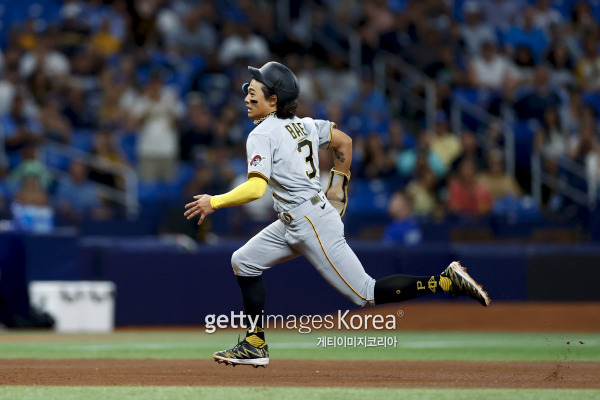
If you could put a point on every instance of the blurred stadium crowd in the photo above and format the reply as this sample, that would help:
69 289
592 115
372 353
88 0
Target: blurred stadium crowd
155 85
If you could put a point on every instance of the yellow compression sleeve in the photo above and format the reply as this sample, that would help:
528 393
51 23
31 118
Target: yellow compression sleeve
248 191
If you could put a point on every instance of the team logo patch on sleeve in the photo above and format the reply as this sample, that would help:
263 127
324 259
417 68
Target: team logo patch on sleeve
257 160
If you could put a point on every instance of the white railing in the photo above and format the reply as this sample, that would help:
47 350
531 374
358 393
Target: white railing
413 78
128 197
460 106
539 178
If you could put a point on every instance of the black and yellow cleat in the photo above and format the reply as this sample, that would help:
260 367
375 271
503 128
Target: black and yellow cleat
244 353
461 284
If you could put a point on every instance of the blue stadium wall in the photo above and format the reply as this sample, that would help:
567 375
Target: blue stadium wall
161 284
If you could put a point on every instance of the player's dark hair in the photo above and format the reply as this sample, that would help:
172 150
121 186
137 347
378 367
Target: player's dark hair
284 111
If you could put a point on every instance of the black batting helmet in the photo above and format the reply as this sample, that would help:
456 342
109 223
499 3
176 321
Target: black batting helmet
277 77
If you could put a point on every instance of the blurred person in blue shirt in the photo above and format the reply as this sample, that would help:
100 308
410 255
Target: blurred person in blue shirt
409 160
404 228
527 35
77 197
19 130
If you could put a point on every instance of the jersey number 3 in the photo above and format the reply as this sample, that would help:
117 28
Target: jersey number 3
309 158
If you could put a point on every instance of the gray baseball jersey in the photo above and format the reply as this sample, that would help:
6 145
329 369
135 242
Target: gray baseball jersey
285 152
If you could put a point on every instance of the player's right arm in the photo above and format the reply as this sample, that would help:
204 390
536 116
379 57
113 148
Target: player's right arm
204 204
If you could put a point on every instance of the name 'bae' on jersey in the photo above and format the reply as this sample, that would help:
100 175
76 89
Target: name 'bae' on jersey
296 130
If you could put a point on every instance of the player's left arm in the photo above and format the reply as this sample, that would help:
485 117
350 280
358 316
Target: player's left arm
254 188
339 176
342 150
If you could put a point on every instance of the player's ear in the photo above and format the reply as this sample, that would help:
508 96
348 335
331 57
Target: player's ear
273 100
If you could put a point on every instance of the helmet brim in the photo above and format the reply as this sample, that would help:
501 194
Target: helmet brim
256 74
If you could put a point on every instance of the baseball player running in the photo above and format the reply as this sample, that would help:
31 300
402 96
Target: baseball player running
282 153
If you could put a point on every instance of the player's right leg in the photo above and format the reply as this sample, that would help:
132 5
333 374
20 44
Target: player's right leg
263 251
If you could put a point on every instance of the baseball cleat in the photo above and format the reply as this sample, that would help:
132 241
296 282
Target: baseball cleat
463 285
244 354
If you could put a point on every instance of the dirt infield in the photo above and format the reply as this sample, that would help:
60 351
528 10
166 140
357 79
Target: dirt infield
542 317
498 317
438 374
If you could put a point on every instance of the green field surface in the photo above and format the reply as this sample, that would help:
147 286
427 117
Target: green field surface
196 344
188 393
178 344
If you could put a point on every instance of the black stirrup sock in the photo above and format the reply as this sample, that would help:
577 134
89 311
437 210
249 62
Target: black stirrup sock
253 295
394 288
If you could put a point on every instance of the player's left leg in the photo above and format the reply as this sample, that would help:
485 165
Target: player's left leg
325 247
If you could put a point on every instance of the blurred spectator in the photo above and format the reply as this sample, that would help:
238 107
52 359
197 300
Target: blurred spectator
26 36
465 194
398 138
535 100
551 140
78 109
583 22
45 57
40 86
118 92
19 129
305 72
368 107
73 31
30 166
425 52
377 20
109 155
490 70
336 80
376 161
494 135
56 126
156 112
443 143
240 44
572 115
469 149
527 35
585 150
561 65
30 208
31 192
197 130
474 32
422 192
9 86
588 67
407 160
208 179
403 229
104 41
524 66
496 180
77 198
448 74
544 15
192 34
501 14
143 21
